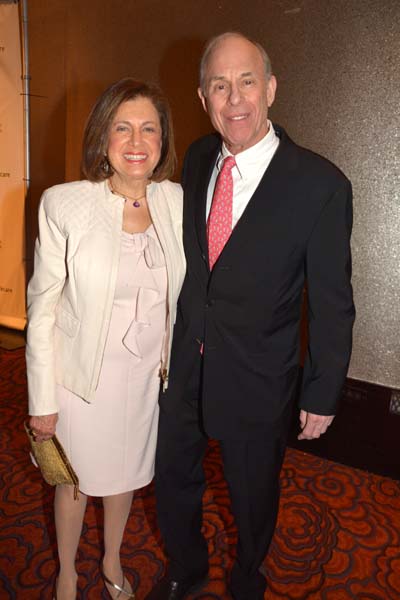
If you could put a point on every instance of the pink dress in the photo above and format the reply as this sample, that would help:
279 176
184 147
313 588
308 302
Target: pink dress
111 441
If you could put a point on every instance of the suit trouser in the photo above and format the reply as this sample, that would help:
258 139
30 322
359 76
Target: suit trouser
251 469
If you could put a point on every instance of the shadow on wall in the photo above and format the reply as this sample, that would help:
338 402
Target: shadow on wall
178 76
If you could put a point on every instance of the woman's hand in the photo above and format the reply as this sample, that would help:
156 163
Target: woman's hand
43 428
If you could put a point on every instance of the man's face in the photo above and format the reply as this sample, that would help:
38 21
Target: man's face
237 94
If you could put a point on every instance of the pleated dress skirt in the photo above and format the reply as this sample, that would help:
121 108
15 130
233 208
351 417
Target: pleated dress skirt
111 441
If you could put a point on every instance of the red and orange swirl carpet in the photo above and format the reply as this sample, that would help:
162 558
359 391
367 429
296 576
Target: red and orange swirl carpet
338 534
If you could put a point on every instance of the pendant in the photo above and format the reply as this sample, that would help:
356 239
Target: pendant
136 204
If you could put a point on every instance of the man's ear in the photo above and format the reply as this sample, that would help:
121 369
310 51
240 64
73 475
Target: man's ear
202 98
271 90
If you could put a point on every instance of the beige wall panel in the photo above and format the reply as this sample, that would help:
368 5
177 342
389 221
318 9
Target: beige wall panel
337 64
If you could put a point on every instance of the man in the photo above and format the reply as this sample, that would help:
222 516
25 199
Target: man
262 218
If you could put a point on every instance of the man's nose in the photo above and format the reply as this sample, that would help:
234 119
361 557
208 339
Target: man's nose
235 95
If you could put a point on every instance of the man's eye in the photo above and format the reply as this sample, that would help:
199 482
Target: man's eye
248 82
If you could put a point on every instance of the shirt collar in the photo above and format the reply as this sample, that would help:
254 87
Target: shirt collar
248 158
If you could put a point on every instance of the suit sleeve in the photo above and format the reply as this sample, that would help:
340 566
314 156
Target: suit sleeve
43 293
331 310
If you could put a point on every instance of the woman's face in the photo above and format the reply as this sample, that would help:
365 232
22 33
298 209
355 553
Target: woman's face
134 143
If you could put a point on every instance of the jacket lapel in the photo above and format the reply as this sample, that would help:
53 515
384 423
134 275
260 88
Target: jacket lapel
266 195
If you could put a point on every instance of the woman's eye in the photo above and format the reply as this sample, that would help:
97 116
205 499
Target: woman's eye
149 129
121 128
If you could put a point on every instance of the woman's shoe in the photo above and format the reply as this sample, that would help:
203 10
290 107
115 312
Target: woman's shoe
119 589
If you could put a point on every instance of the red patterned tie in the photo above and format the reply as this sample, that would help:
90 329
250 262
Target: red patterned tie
219 224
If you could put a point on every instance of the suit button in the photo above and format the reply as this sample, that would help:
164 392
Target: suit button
210 303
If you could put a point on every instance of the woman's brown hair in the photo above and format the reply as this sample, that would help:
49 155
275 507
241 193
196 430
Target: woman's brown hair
95 165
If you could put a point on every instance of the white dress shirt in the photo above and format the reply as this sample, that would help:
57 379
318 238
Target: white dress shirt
251 165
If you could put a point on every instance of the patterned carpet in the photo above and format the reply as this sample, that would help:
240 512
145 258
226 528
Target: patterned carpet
338 534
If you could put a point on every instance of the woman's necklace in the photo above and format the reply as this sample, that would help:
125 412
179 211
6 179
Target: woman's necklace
135 201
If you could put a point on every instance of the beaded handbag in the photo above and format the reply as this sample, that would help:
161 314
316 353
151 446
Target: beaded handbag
53 462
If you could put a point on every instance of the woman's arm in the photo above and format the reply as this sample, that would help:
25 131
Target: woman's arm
44 290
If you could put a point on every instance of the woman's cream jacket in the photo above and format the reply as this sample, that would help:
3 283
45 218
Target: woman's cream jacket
71 293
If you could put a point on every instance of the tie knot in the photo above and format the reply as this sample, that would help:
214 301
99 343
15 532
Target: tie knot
228 164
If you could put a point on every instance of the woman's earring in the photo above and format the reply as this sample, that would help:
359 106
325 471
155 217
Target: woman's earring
106 167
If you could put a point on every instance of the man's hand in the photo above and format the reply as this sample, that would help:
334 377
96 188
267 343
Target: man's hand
43 428
313 426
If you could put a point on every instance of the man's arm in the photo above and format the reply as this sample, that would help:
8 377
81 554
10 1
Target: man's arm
330 313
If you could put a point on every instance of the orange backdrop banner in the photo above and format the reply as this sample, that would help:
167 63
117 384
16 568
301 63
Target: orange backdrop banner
12 170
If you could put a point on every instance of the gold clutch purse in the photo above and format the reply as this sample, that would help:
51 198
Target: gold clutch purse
53 462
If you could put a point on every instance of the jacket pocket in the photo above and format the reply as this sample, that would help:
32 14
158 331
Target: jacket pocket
67 322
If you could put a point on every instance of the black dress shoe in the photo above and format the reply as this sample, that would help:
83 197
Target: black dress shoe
168 589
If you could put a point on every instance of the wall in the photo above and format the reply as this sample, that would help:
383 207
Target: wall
337 64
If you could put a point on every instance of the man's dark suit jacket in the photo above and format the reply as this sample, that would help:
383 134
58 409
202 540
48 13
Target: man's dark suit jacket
295 231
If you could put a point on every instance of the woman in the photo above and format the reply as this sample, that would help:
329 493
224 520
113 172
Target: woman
109 266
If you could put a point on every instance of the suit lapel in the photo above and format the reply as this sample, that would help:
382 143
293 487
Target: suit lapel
266 195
